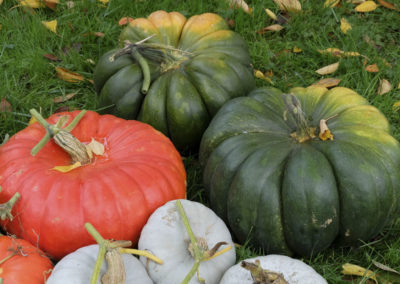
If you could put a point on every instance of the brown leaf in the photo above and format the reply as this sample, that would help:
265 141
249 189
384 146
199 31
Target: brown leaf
373 68
328 69
62 109
388 5
61 99
366 6
289 5
124 21
384 267
68 76
51 57
384 87
52 4
328 82
5 106
98 34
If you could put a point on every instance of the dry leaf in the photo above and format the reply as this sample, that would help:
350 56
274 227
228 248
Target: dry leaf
373 68
1 2
328 69
398 87
352 269
65 98
32 3
331 3
51 57
66 75
104 1
355 1
124 21
65 169
5 105
241 4
261 75
98 34
396 106
344 25
52 4
324 132
338 53
289 5
51 25
388 5
384 87
271 14
70 4
95 147
297 49
366 6
328 82
384 267
274 28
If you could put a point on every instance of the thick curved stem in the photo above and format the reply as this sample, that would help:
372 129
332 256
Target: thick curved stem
102 252
145 69
5 209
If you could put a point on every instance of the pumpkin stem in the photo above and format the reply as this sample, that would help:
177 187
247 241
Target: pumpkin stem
145 69
293 108
263 276
5 208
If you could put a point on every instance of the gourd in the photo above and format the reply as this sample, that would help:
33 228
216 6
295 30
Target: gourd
138 170
268 268
174 73
187 236
302 170
21 262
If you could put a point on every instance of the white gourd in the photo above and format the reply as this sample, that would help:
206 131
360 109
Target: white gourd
165 236
77 268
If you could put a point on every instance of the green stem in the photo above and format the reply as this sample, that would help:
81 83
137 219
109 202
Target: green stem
145 69
7 257
5 209
192 271
75 121
102 252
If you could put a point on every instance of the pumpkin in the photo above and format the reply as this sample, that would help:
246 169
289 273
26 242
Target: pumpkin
116 191
303 170
21 262
77 267
272 267
166 236
174 73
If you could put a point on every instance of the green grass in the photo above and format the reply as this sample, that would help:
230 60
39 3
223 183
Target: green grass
28 80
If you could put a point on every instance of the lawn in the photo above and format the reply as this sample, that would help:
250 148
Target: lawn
30 53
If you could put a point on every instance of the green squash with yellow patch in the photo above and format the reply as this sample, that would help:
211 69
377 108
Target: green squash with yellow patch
174 73
297 172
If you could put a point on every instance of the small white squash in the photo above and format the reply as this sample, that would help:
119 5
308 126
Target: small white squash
293 271
77 268
166 236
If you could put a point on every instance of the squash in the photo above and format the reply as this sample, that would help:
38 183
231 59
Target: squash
167 235
138 171
21 262
302 170
274 268
174 73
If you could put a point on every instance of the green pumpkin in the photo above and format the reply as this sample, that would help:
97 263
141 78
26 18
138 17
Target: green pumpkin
174 73
295 173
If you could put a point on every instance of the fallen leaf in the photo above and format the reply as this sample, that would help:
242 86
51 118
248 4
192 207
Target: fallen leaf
65 169
352 269
70 4
373 68
398 87
331 3
384 267
32 3
51 57
388 5
124 21
104 1
61 99
289 5
344 25
271 14
62 109
274 28
5 106
32 120
98 34
328 82
396 106
384 87
297 49
69 76
91 61
52 4
355 1
1 2
338 53
51 25
261 75
95 147
366 6
241 4
331 68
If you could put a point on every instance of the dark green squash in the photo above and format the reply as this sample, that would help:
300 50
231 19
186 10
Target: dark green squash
174 73
297 172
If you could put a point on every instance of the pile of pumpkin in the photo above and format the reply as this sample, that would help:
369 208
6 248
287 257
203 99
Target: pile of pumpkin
291 173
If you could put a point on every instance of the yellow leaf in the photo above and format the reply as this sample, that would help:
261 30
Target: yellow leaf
241 4
261 75
328 69
331 3
1 2
51 25
289 5
338 53
271 14
372 68
32 3
384 87
366 6
274 28
297 49
69 76
104 1
328 82
65 169
32 120
324 132
396 106
398 87
352 269
344 25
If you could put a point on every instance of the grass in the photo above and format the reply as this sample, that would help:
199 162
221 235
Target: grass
28 80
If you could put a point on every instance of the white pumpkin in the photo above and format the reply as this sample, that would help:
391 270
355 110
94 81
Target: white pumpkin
77 268
165 236
293 271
